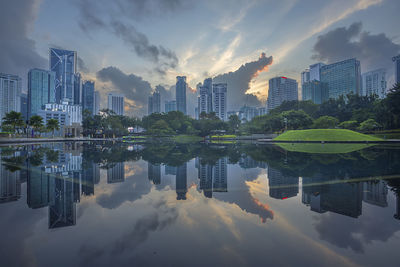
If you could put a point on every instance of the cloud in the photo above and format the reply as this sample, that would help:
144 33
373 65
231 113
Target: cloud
17 52
239 82
373 50
82 66
112 16
133 87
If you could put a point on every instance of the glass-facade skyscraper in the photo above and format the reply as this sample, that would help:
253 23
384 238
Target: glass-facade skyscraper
281 89
63 63
41 90
10 94
154 105
374 83
116 103
181 94
342 77
88 96
315 91
170 106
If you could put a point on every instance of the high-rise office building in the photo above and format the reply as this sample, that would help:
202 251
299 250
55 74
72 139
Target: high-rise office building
181 87
10 94
315 71
375 193
219 100
88 100
203 104
207 84
41 90
305 76
96 105
205 174
374 83
315 91
396 61
24 106
78 94
154 104
342 77
170 106
281 89
116 103
64 64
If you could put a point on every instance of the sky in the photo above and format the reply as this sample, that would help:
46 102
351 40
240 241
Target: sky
136 46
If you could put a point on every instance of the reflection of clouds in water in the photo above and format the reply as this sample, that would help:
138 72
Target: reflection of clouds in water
346 232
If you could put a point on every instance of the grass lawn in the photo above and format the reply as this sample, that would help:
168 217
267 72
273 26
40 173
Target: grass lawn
226 136
183 139
325 135
322 148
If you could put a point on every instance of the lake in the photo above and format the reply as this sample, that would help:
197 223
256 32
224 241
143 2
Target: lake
166 204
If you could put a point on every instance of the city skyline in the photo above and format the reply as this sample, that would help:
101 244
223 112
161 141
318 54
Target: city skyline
134 55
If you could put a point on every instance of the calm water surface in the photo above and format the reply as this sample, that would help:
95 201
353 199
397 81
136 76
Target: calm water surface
109 204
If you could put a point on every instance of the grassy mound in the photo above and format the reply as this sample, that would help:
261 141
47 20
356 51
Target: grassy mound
325 135
322 148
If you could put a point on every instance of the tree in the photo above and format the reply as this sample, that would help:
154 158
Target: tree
36 122
325 122
13 119
350 125
297 119
53 125
160 128
369 125
234 123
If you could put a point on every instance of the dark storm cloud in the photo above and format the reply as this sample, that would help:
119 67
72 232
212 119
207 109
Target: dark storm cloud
17 51
373 50
239 82
82 66
113 16
141 45
133 87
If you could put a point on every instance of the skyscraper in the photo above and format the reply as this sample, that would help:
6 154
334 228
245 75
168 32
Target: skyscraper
315 71
170 106
24 106
77 89
41 90
97 100
116 103
342 77
181 94
315 91
207 84
154 105
154 173
88 100
181 182
63 63
374 83
396 61
220 183
281 89
116 174
219 99
10 94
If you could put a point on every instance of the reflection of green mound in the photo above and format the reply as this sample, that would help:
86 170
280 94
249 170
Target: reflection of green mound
336 135
327 148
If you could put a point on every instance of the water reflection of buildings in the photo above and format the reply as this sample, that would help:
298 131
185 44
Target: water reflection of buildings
213 178
181 182
342 198
116 173
282 186
247 162
154 173
10 184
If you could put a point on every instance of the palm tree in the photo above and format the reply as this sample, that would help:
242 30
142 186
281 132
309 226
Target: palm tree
36 122
53 125
14 119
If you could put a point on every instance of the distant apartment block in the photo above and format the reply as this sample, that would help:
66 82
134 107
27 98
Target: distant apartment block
374 83
10 94
220 100
116 103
